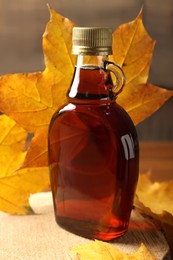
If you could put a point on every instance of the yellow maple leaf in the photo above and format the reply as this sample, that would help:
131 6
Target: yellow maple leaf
155 198
31 99
102 250
12 145
133 49
16 186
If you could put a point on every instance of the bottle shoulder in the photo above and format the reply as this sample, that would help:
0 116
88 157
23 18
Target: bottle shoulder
111 112
87 119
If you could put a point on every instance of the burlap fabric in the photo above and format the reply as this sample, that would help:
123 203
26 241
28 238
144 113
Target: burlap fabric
39 237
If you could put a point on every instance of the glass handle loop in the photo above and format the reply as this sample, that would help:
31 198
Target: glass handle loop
118 73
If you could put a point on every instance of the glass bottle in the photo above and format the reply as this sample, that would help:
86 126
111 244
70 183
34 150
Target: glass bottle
92 145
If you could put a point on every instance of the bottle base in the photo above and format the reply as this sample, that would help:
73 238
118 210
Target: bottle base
90 229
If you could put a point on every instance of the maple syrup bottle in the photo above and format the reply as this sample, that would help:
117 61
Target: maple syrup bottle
93 145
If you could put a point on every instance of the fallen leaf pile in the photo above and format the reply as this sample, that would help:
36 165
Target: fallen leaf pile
28 102
101 250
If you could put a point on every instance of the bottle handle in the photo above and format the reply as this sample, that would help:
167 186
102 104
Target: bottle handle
118 73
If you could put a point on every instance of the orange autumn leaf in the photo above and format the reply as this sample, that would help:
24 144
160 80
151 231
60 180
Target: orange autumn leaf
31 99
133 49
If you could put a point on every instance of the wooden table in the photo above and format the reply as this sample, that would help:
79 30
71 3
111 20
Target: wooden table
157 157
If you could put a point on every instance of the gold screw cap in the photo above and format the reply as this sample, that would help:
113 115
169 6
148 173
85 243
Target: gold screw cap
92 41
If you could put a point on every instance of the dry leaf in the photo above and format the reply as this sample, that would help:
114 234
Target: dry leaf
102 250
12 146
16 189
31 99
16 186
132 49
155 199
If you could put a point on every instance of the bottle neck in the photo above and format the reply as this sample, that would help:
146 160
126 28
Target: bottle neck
91 82
86 60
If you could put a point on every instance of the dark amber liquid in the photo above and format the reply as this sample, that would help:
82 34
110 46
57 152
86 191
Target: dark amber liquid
92 175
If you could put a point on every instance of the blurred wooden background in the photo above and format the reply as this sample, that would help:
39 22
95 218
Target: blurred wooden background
22 23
